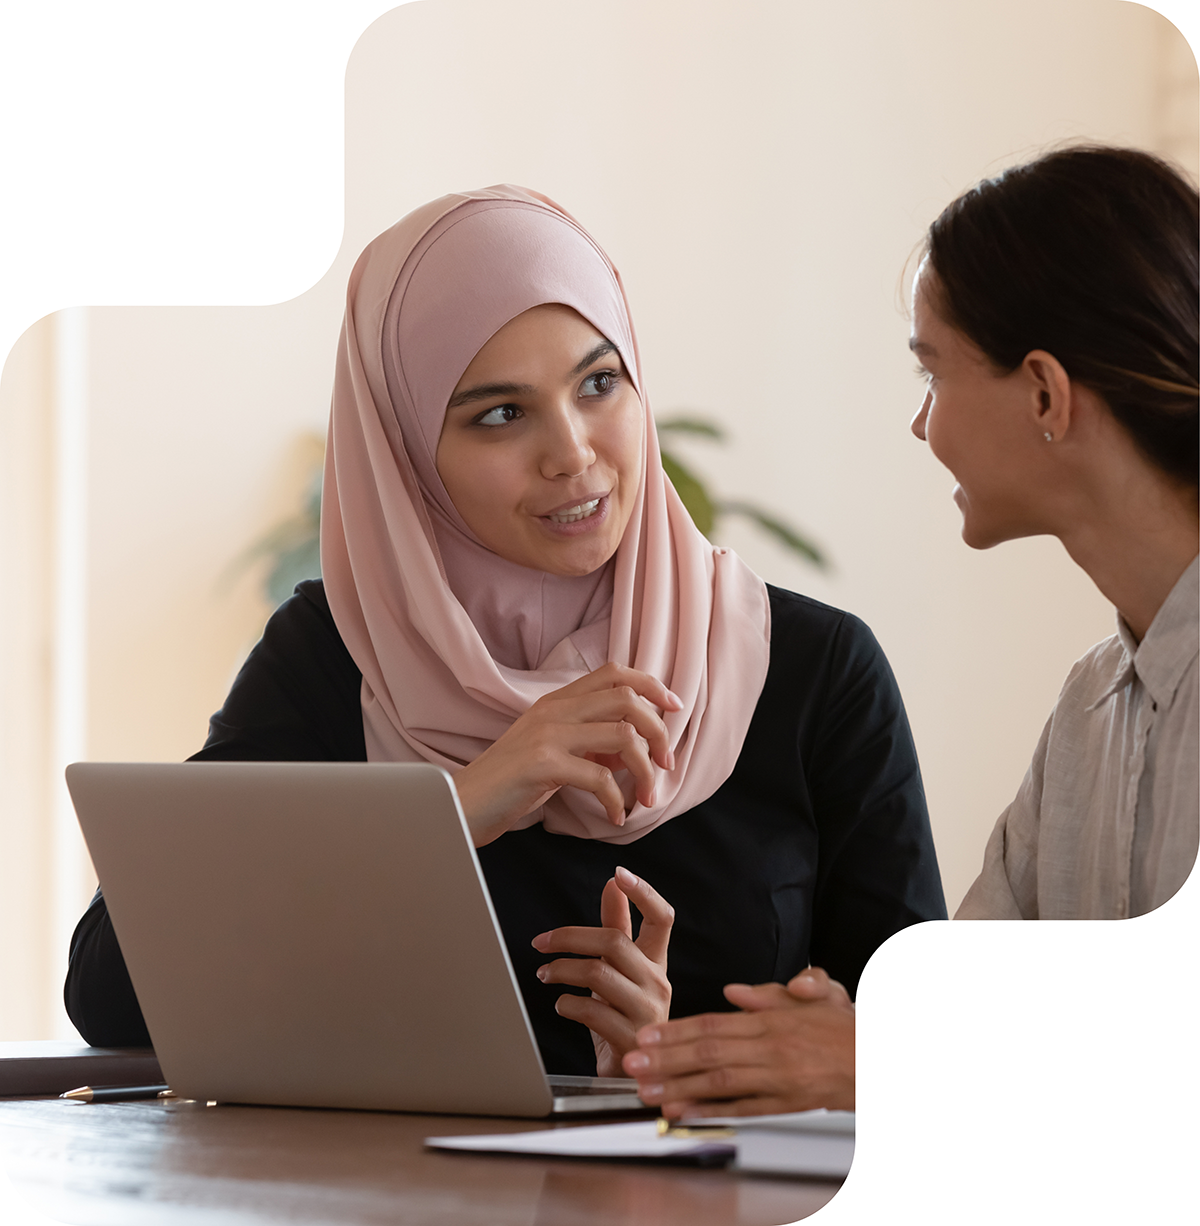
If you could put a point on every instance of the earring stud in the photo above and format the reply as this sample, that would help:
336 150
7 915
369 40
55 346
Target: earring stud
1048 437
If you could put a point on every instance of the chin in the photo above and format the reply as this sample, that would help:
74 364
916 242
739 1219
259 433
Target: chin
986 536
979 536
975 533
576 569
976 542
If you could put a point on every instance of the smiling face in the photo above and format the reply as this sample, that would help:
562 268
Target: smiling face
981 424
541 448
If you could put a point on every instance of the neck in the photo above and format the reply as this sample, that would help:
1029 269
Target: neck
1135 547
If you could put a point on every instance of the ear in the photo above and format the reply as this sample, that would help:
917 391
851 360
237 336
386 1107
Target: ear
1052 406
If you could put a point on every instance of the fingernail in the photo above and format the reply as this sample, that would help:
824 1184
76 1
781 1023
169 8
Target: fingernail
542 972
670 759
625 877
675 698
650 1094
636 1060
541 940
647 1037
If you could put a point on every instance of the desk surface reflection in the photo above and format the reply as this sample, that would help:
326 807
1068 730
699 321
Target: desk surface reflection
168 1163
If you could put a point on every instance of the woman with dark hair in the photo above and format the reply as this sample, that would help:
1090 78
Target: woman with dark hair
1055 316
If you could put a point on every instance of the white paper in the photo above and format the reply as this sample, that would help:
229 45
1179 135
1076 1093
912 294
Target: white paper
636 1140
818 1144
820 1120
771 1151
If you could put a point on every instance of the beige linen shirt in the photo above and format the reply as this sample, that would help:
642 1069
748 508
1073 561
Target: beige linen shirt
1106 822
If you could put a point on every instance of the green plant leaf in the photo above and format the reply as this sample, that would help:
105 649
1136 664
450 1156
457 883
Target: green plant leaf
303 561
691 492
312 500
778 528
691 425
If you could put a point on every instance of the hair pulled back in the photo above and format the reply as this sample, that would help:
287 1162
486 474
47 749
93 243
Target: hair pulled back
1090 253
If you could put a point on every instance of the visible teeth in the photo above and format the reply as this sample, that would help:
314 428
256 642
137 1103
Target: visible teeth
582 511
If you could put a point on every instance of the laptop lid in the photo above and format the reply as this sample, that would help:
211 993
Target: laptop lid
311 934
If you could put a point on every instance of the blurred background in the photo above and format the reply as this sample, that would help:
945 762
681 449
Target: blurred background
761 173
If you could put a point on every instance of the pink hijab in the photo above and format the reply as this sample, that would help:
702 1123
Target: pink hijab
454 642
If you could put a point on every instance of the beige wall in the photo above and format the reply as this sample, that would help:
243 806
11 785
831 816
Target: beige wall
28 966
759 172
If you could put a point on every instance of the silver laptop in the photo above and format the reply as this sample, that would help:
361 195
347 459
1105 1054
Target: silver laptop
317 935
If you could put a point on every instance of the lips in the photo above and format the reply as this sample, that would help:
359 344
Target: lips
580 517
580 507
571 515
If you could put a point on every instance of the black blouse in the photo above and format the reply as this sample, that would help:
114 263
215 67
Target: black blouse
815 850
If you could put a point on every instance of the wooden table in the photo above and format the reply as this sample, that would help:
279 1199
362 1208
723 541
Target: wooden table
160 1164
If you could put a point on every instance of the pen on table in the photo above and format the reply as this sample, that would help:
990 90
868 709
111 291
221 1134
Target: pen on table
694 1132
112 1094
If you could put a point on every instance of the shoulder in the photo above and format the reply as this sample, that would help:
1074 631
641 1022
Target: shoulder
827 676
1095 673
792 610
302 635
807 634
298 695
303 626
1106 656
306 606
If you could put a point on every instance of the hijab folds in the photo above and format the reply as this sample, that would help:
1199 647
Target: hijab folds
453 641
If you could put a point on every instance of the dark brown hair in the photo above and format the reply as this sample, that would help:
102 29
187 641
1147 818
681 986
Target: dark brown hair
1092 254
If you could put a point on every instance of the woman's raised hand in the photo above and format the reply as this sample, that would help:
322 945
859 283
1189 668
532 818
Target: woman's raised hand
575 737
627 978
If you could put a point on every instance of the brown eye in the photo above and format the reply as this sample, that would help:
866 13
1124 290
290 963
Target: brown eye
501 415
599 384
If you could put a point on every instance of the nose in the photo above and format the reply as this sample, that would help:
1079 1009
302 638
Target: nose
917 425
569 451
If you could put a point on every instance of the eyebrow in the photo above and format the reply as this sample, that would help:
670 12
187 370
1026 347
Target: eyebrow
594 356
485 391
921 347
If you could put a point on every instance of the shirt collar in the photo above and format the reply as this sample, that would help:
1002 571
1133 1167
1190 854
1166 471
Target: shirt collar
1170 645
1173 639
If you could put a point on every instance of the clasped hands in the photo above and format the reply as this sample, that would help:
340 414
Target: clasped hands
788 1049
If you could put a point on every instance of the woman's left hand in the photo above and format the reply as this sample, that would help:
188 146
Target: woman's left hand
627 978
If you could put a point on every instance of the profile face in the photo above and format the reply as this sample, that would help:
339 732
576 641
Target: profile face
541 447
976 420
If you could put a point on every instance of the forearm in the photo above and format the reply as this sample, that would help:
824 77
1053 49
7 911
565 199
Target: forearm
98 994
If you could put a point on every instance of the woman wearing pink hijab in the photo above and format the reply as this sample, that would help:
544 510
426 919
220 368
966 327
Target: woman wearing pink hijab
513 591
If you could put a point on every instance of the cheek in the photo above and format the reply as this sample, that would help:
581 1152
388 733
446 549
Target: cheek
627 441
477 481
